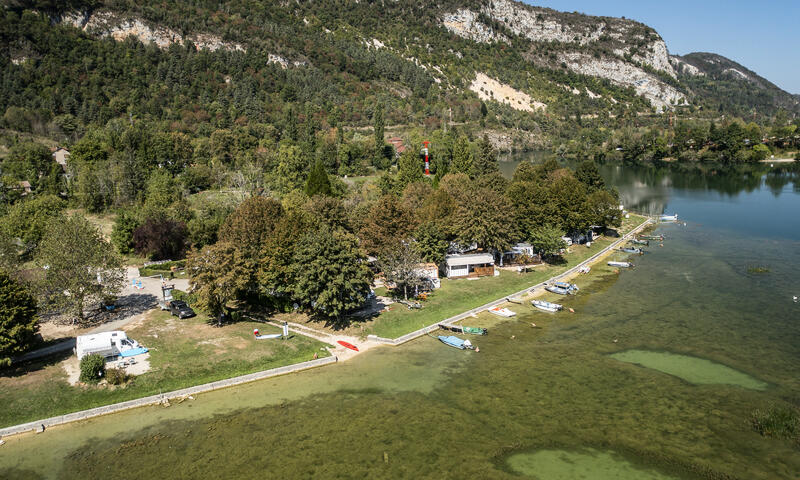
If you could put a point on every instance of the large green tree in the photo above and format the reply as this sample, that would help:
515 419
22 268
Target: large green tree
219 276
318 182
484 218
28 220
485 161
329 274
17 318
401 266
547 240
78 265
251 224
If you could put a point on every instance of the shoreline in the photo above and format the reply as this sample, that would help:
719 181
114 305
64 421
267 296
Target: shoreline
341 354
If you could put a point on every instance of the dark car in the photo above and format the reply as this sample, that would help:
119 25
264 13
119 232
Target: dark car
179 308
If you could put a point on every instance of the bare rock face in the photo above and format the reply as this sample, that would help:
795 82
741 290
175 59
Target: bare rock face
621 73
682 66
104 23
488 88
465 24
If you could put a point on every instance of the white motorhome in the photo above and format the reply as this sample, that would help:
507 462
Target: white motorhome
107 344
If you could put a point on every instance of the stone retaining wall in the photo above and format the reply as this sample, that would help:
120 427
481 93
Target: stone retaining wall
156 399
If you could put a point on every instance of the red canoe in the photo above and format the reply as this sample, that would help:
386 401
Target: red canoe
347 345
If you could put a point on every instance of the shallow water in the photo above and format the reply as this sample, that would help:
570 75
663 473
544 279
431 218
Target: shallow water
692 369
586 464
424 410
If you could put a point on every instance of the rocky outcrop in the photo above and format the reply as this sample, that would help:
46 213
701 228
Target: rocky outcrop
465 24
624 74
103 23
488 88
687 68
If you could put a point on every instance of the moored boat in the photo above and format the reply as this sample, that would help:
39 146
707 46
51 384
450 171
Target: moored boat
501 311
476 330
556 289
637 251
569 286
640 242
652 237
620 264
455 342
669 218
546 306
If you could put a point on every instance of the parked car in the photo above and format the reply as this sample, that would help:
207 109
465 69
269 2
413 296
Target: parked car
180 309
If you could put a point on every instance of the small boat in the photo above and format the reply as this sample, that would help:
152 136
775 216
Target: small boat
503 312
546 306
584 269
475 330
637 251
347 345
620 264
558 290
669 218
455 342
652 237
451 328
569 286
640 242
267 336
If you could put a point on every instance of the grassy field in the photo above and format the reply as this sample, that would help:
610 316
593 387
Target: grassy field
458 296
183 353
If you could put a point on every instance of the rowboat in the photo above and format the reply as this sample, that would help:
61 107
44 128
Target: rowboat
637 251
558 290
455 342
640 242
620 264
669 218
347 345
476 330
503 312
460 329
569 286
546 306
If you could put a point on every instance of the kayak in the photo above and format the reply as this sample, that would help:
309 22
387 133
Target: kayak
347 345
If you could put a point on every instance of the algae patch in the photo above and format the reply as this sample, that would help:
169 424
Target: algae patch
586 463
698 371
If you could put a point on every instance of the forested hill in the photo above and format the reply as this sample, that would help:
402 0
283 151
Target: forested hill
730 86
201 64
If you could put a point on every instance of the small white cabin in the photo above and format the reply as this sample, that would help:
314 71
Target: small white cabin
473 265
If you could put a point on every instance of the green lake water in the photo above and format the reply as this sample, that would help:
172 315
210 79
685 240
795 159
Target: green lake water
545 403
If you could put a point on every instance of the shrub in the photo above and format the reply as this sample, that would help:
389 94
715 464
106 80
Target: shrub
92 368
117 376
780 421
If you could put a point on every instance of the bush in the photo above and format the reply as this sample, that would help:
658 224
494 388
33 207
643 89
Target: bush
92 368
117 376
780 421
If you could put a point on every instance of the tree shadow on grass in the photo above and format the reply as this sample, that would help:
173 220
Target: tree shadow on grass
23 368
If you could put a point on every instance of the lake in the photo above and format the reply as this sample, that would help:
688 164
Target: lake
656 375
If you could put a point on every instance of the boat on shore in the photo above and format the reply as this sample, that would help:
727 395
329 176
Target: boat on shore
456 342
569 286
546 306
502 312
637 251
669 218
556 289
620 264
347 345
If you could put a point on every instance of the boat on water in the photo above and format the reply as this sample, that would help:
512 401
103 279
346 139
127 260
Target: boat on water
669 218
456 342
652 237
637 251
620 264
558 290
546 306
640 242
502 312
460 329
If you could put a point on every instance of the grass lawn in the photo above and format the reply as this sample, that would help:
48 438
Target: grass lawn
183 353
457 296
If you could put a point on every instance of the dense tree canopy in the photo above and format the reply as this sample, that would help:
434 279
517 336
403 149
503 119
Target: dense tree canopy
18 323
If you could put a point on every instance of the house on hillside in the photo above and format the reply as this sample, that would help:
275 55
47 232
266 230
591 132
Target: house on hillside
397 143
60 155
470 265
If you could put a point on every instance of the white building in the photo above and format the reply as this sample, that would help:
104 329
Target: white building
473 265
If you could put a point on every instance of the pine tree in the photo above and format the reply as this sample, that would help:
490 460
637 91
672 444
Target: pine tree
379 123
17 318
486 161
318 182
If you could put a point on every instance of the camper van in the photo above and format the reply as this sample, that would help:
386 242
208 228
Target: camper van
107 344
